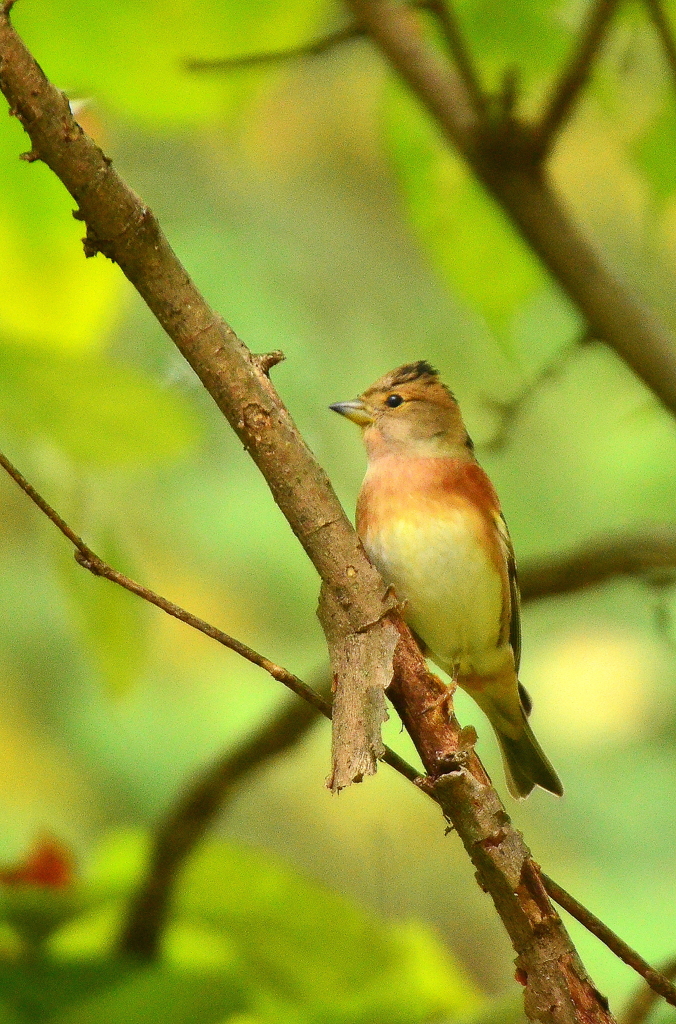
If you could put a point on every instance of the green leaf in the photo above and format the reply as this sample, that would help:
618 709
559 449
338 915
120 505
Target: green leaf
35 989
7 1015
301 953
98 412
36 911
307 945
50 295
471 242
159 994
131 56
654 154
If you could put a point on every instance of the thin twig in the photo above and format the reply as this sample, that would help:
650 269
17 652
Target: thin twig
511 411
60 524
445 13
657 982
658 16
91 561
250 60
315 48
567 88
641 1003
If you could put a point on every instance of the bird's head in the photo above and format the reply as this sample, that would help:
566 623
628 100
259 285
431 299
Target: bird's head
409 412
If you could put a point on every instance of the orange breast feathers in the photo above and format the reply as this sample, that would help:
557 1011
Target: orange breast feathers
417 488
408 510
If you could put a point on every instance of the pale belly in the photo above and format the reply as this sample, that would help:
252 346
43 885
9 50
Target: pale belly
451 591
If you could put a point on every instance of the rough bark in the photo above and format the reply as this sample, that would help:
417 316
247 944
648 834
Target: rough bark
121 227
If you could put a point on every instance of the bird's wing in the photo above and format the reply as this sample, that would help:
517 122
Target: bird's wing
470 480
514 610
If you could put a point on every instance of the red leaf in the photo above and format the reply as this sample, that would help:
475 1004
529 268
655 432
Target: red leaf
50 864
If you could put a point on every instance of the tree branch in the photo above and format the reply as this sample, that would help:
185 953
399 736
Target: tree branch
556 985
313 49
510 411
193 813
91 561
505 160
658 16
574 77
448 19
85 557
639 1007
323 45
657 982
650 555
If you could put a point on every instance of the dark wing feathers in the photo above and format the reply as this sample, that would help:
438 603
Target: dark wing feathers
514 596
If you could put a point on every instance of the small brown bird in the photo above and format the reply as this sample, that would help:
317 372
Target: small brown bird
430 521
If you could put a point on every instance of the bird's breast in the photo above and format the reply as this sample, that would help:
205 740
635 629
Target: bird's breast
437 548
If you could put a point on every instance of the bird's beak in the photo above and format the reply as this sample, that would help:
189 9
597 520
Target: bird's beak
355 411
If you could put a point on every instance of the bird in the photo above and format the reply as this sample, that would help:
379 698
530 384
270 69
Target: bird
430 521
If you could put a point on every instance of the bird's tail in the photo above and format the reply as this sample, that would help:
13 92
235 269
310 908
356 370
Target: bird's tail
507 705
526 764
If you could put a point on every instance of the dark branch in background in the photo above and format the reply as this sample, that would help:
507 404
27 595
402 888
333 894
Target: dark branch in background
191 815
566 91
195 810
332 40
508 159
659 19
650 555
312 49
450 26
510 411
505 158
639 1007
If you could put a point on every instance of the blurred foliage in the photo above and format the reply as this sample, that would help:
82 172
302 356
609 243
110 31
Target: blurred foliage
248 940
320 212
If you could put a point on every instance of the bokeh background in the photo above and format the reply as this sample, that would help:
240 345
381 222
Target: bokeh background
318 211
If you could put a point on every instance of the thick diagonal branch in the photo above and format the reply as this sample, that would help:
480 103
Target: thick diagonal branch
121 227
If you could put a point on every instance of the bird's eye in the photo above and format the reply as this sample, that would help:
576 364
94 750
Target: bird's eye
392 401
